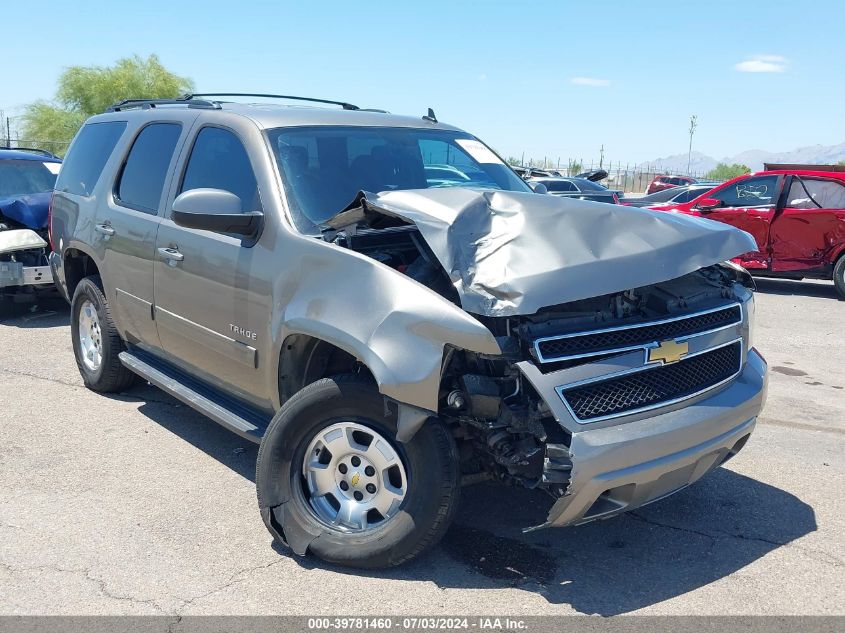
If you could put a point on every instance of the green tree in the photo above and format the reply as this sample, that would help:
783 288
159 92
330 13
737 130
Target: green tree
723 171
841 163
87 90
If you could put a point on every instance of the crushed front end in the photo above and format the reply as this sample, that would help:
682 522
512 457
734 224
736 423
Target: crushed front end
24 248
612 402
24 269
626 370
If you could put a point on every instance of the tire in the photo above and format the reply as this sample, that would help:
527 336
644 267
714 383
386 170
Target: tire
108 375
429 461
839 276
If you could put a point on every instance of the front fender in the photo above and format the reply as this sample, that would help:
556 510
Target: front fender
397 327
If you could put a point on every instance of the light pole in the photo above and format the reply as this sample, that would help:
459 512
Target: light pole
693 123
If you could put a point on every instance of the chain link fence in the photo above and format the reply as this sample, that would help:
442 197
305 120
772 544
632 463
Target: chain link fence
627 177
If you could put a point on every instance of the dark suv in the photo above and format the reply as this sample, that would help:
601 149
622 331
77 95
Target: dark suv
386 307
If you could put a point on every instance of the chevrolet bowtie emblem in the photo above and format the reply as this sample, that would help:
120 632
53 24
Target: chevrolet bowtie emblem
668 351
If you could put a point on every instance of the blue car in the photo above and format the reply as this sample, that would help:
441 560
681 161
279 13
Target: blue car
27 177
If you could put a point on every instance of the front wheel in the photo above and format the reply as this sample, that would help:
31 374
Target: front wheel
332 479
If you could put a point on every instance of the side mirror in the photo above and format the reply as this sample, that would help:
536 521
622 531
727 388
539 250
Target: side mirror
708 204
215 210
538 187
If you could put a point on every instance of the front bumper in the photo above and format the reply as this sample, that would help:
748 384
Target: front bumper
620 467
15 274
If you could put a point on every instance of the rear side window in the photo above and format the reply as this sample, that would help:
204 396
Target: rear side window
145 170
219 161
87 157
813 193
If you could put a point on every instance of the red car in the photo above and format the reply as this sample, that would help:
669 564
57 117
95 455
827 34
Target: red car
797 218
667 182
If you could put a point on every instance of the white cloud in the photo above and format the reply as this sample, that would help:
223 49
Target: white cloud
482 77
589 81
762 64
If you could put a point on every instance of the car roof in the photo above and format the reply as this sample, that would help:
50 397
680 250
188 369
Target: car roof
17 154
274 115
839 175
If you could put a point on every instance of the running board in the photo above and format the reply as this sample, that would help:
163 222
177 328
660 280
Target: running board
219 408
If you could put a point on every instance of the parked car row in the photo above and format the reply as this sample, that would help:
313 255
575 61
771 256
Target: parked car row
661 183
580 188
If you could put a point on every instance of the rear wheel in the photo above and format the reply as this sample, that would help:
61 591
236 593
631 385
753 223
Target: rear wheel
96 343
839 276
332 480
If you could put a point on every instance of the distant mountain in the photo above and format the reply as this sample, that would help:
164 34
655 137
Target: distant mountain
677 163
753 158
812 154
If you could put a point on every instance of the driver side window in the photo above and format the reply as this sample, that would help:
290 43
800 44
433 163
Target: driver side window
750 192
219 161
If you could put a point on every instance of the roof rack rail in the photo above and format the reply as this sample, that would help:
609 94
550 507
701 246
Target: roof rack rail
144 104
32 150
343 104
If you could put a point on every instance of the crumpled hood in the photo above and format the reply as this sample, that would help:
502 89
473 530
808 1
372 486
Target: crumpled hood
513 253
29 210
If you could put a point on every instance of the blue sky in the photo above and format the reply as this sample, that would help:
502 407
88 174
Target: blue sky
556 79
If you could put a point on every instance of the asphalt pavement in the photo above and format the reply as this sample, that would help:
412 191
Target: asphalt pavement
135 504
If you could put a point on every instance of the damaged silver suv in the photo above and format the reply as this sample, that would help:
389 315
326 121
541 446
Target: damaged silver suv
387 308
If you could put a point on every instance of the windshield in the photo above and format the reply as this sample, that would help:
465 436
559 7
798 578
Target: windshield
325 167
22 177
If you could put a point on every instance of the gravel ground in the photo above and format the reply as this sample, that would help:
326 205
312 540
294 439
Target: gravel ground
134 504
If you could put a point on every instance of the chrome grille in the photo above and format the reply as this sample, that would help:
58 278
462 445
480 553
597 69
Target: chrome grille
627 337
653 386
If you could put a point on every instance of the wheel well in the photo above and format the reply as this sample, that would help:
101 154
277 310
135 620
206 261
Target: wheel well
77 266
305 359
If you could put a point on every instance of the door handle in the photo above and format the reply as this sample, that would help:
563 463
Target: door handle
170 255
105 228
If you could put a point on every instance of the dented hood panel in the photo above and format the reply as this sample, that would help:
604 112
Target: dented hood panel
513 253
31 210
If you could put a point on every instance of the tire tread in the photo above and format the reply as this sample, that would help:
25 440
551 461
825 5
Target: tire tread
114 376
